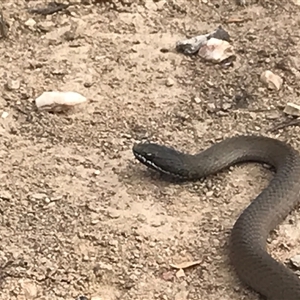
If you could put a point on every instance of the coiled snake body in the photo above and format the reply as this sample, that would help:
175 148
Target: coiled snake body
248 254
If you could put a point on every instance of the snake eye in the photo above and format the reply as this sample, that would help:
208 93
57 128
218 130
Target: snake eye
148 154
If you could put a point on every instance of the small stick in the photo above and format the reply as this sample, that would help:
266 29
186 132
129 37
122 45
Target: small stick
3 27
294 122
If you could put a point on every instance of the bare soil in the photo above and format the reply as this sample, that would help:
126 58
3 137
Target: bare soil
78 214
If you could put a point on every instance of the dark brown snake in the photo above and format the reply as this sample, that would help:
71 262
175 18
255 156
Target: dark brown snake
248 254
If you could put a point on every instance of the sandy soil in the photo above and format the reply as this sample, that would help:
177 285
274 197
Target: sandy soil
78 214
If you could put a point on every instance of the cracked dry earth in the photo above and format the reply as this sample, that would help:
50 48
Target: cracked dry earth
78 214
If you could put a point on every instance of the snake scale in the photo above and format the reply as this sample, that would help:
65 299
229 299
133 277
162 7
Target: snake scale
248 255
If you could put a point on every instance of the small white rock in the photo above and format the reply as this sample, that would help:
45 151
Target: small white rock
47 200
30 23
4 115
169 82
58 101
97 172
271 80
296 261
216 50
180 273
39 196
292 109
95 221
209 193
197 100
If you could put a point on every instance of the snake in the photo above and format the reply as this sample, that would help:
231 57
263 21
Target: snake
248 254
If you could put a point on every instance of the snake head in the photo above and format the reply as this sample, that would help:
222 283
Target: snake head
161 158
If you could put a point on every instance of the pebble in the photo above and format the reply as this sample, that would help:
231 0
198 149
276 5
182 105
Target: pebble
12 85
271 80
180 273
97 172
209 193
58 101
292 109
156 223
197 100
141 218
56 198
105 266
133 277
226 106
30 23
94 222
113 243
39 196
4 115
152 244
169 82
296 261
114 215
5 195
216 50
46 25
47 200
272 115
160 260
211 107
50 205
85 258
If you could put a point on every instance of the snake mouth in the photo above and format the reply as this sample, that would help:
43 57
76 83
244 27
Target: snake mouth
153 166
148 163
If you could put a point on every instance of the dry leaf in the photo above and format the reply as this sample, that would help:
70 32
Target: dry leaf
186 264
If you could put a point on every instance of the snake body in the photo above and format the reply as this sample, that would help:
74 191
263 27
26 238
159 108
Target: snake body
248 255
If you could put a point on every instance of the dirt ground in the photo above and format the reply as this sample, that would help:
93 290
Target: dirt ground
79 215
